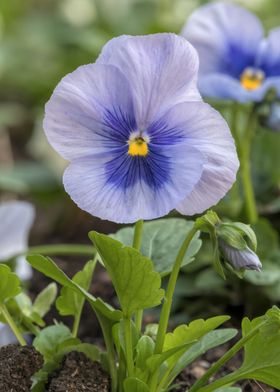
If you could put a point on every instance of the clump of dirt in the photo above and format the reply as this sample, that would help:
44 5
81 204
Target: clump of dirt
17 366
78 373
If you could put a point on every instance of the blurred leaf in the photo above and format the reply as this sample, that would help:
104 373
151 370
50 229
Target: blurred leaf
70 303
267 238
10 284
45 299
161 241
25 177
50 269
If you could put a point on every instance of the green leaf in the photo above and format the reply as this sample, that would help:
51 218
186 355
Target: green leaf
161 240
262 351
268 241
231 236
144 350
50 269
156 360
228 389
10 284
70 302
135 385
136 283
45 299
210 340
52 339
40 378
194 331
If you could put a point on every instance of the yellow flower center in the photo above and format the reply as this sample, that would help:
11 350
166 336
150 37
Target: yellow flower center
138 146
252 78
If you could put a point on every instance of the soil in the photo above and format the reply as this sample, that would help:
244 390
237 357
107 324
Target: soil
78 373
18 364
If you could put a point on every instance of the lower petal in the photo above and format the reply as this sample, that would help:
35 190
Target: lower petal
86 182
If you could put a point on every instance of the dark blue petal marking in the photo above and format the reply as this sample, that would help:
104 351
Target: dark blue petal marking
237 59
154 169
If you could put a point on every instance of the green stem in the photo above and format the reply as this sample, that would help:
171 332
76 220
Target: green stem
225 358
12 324
62 249
165 312
243 145
76 324
166 309
226 380
107 335
138 234
137 245
128 346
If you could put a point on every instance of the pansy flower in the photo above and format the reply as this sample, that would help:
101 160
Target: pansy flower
139 139
16 219
236 61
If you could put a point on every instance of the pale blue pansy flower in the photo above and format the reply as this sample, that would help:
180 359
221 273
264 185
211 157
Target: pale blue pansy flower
237 61
139 139
16 219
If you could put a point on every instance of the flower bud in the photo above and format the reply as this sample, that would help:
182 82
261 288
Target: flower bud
240 258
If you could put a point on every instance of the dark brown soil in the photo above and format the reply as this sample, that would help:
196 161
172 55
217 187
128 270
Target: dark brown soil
196 370
79 374
17 365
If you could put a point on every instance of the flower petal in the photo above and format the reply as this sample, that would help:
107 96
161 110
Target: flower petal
241 258
208 132
16 219
226 37
160 68
80 113
137 193
269 54
224 87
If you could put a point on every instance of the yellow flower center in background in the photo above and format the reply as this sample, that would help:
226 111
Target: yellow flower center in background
138 146
252 78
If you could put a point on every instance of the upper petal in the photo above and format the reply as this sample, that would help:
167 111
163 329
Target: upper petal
269 54
161 70
82 113
208 132
226 37
16 219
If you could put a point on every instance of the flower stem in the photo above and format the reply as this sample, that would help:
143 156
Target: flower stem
137 245
225 358
166 308
165 313
62 249
128 346
12 325
76 324
243 145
